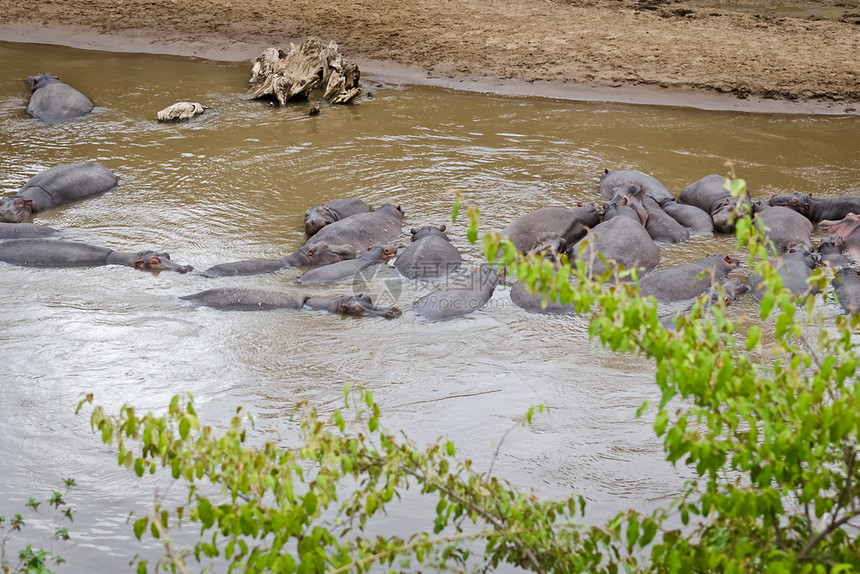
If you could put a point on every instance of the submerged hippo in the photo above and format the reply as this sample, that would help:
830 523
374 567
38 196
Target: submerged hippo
661 226
712 195
726 291
610 179
531 302
52 101
830 253
620 241
363 230
628 200
25 231
847 288
817 208
318 217
461 296
304 256
696 220
238 299
524 230
349 269
784 227
57 186
795 268
686 281
54 253
430 255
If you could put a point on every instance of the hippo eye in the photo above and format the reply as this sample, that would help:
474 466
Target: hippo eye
154 262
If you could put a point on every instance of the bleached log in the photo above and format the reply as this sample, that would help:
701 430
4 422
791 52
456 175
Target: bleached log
180 111
307 66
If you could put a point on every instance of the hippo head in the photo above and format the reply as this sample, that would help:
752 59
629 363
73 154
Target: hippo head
363 305
392 209
799 202
15 209
831 245
549 244
429 230
318 217
390 250
41 80
325 254
723 214
152 261
732 289
730 262
627 195
843 227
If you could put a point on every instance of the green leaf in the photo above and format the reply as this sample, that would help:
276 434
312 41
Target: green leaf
753 335
455 210
139 527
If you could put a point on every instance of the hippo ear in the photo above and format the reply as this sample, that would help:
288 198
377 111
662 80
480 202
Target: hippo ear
413 231
311 251
727 259
443 227
138 261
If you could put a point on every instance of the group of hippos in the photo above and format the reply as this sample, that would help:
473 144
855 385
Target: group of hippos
346 236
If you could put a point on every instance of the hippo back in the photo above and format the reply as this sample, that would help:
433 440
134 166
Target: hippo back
652 187
621 240
430 255
67 183
53 102
363 230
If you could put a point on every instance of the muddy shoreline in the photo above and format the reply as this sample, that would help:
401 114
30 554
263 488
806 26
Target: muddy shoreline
768 63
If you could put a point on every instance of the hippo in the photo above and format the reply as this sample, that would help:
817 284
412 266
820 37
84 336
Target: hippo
661 226
586 217
712 195
460 297
784 227
847 288
363 230
619 240
357 305
795 267
817 208
349 268
430 255
57 186
241 299
25 231
612 178
52 101
845 233
524 230
697 221
687 280
318 217
628 200
830 253
531 302
55 253
729 290
305 256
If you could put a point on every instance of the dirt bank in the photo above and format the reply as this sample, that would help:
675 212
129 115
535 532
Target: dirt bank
708 53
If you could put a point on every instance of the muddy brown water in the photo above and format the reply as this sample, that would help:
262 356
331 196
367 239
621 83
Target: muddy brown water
234 184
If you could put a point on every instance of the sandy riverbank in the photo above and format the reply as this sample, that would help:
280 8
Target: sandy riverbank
702 53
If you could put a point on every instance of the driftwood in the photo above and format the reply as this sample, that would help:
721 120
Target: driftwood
307 66
180 111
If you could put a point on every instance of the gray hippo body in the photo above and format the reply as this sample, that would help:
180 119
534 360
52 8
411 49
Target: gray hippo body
847 287
711 195
349 268
696 220
525 230
363 230
305 256
25 231
682 282
52 101
795 267
461 297
846 234
662 227
531 302
786 228
54 253
629 201
831 254
817 209
620 240
610 179
729 290
430 255
321 215
57 186
239 299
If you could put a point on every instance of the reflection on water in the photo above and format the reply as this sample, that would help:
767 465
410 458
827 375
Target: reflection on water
235 183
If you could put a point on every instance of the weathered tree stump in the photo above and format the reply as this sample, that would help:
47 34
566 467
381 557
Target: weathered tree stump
180 111
307 66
